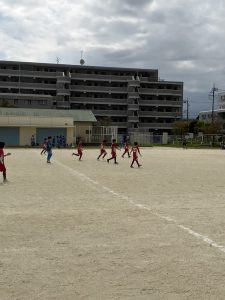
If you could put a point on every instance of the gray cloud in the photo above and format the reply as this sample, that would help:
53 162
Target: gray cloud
183 39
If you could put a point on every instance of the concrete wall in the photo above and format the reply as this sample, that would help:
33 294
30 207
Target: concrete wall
81 130
36 121
70 135
25 135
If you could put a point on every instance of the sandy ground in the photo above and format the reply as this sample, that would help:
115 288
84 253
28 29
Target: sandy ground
92 230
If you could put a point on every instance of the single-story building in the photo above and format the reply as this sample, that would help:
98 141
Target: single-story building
17 125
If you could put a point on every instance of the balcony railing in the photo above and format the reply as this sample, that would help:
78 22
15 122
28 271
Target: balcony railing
160 114
27 85
63 79
107 89
87 100
156 125
133 119
110 112
134 83
100 77
63 104
133 107
133 95
26 96
62 92
160 103
160 91
27 73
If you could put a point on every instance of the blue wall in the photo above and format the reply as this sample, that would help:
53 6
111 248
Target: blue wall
10 135
42 133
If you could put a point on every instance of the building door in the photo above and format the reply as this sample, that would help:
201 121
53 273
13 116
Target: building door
10 135
42 133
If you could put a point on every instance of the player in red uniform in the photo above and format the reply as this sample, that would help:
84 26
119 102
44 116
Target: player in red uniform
2 164
126 149
113 151
44 146
102 150
135 149
79 150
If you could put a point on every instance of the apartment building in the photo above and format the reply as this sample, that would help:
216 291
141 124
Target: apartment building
129 98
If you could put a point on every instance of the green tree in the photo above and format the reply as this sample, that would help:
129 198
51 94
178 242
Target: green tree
181 127
4 103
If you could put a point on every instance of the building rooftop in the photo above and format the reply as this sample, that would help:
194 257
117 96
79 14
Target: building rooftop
77 115
75 66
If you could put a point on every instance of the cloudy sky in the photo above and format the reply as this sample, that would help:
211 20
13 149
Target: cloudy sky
183 39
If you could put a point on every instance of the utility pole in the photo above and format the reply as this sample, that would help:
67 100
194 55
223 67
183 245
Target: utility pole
214 89
187 111
212 93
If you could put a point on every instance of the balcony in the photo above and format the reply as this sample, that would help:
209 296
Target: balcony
26 96
149 79
88 100
133 95
160 114
156 125
106 89
133 107
160 92
32 86
134 83
61 78
109 112
133 119
63 104
63 92
25 73
99 77
160 103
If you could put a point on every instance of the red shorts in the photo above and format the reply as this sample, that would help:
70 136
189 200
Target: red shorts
103 151
113 154
2 168
135 157
79 152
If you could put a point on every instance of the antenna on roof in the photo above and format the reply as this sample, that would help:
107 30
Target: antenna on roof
58 60
82 61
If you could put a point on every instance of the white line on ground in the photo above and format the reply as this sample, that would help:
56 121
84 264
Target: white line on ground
87 179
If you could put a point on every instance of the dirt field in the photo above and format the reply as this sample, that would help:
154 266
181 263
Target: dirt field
91 230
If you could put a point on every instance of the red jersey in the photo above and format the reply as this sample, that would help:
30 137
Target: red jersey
79 148
113 149
135 151
2 165
102 148
126 147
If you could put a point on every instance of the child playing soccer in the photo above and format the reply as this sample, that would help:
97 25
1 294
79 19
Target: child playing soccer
79 150
135 149
44 147
49 149
113 151
2 164
102 150
126 149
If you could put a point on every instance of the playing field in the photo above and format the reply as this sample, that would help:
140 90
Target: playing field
91 230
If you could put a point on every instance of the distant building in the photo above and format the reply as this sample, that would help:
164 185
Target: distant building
17 125
218 116
131 99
